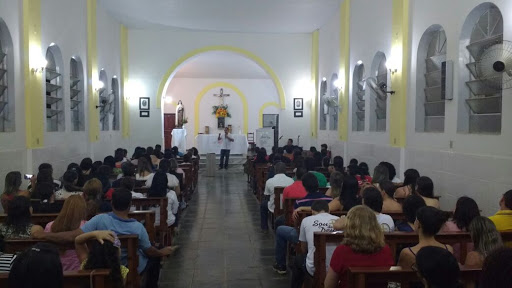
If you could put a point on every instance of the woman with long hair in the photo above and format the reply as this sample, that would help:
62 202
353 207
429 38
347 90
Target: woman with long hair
409 186
103 175
38 266
466 210
17 224
363 246
348 197
144 169
159 189
336 181
387 190
437 268
92 195
363 173
425 188
410 208
104 253
47 203
429 221
485 239
71 217
69 187
380 173
12 188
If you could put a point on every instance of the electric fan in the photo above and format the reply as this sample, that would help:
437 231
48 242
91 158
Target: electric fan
494 67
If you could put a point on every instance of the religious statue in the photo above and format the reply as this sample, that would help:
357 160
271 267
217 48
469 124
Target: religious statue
180 114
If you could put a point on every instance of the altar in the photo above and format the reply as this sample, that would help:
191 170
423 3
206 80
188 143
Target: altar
208 143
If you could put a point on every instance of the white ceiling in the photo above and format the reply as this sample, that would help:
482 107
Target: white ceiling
258 16
221 64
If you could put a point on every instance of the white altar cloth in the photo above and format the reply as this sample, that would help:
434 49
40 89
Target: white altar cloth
179 139
208 143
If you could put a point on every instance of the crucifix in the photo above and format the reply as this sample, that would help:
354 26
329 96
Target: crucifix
221 95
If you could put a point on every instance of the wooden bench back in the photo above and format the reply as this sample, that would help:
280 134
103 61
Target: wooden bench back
260 170
145 203
288 205
393 239
362 277
148 217
72 279
129 242
278 195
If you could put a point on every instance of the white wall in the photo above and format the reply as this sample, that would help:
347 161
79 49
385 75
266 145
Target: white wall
151 54
256 91
63 23
478 165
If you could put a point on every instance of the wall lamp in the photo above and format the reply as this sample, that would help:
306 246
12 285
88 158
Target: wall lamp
98 85
39 65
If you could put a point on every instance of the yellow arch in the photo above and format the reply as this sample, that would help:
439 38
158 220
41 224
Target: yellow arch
223 85
248 54
268 104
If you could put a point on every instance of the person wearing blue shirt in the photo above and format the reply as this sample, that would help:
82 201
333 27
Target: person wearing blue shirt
119 222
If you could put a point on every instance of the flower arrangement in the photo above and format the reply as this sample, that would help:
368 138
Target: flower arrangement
221 111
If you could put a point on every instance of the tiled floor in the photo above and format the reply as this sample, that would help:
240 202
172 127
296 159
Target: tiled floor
221 243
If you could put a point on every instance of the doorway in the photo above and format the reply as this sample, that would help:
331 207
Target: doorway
169 125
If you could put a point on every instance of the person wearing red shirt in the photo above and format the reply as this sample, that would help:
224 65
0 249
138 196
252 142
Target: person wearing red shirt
363 246
296 190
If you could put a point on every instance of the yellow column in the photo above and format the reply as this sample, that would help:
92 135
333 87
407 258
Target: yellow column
314 80
92 71
125 126
400 55
32 54
344 69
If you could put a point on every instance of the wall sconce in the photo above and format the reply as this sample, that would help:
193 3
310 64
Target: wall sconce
98 85
168 99
395 61
40 64
337 83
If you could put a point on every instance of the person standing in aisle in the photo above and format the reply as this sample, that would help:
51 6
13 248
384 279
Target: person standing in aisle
226 146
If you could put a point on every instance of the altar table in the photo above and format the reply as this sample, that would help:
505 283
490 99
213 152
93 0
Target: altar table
208 143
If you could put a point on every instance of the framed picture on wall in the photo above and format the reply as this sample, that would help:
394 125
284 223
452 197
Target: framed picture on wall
144 103
221 123
298 103
270 120
144 114
298 114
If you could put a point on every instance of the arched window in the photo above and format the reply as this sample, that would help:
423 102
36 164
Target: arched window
479 107
358 101
323 107
54 94
7 95
76 94
104 101
333 109
431 86
116 103
378 100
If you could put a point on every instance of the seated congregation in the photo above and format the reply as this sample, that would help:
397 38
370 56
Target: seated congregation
339 226
111 220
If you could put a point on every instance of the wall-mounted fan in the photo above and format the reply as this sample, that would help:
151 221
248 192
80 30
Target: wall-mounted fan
106 103
494 67
331 102
380 89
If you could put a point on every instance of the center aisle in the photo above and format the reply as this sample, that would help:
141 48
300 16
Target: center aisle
221 244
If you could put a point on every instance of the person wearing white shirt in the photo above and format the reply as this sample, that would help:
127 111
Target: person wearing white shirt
226 147
159 189
373 199
320 221
172 182
267 204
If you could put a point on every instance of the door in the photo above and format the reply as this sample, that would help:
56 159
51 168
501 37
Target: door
169 124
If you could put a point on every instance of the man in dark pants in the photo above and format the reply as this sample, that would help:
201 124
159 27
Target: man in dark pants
226 146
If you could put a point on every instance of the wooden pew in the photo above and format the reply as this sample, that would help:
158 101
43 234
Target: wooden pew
148 217
130 242
402 199
393 239
260 179
278 194
165 233
288 210
81 278
361 277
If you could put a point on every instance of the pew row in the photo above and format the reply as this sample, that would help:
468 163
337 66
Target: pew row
393 239
81 278
148 217
362 277
128 242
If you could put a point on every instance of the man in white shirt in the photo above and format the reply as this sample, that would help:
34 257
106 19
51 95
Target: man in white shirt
373 199
320 221
267 203
226 147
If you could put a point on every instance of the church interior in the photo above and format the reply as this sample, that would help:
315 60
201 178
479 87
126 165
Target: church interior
243 143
